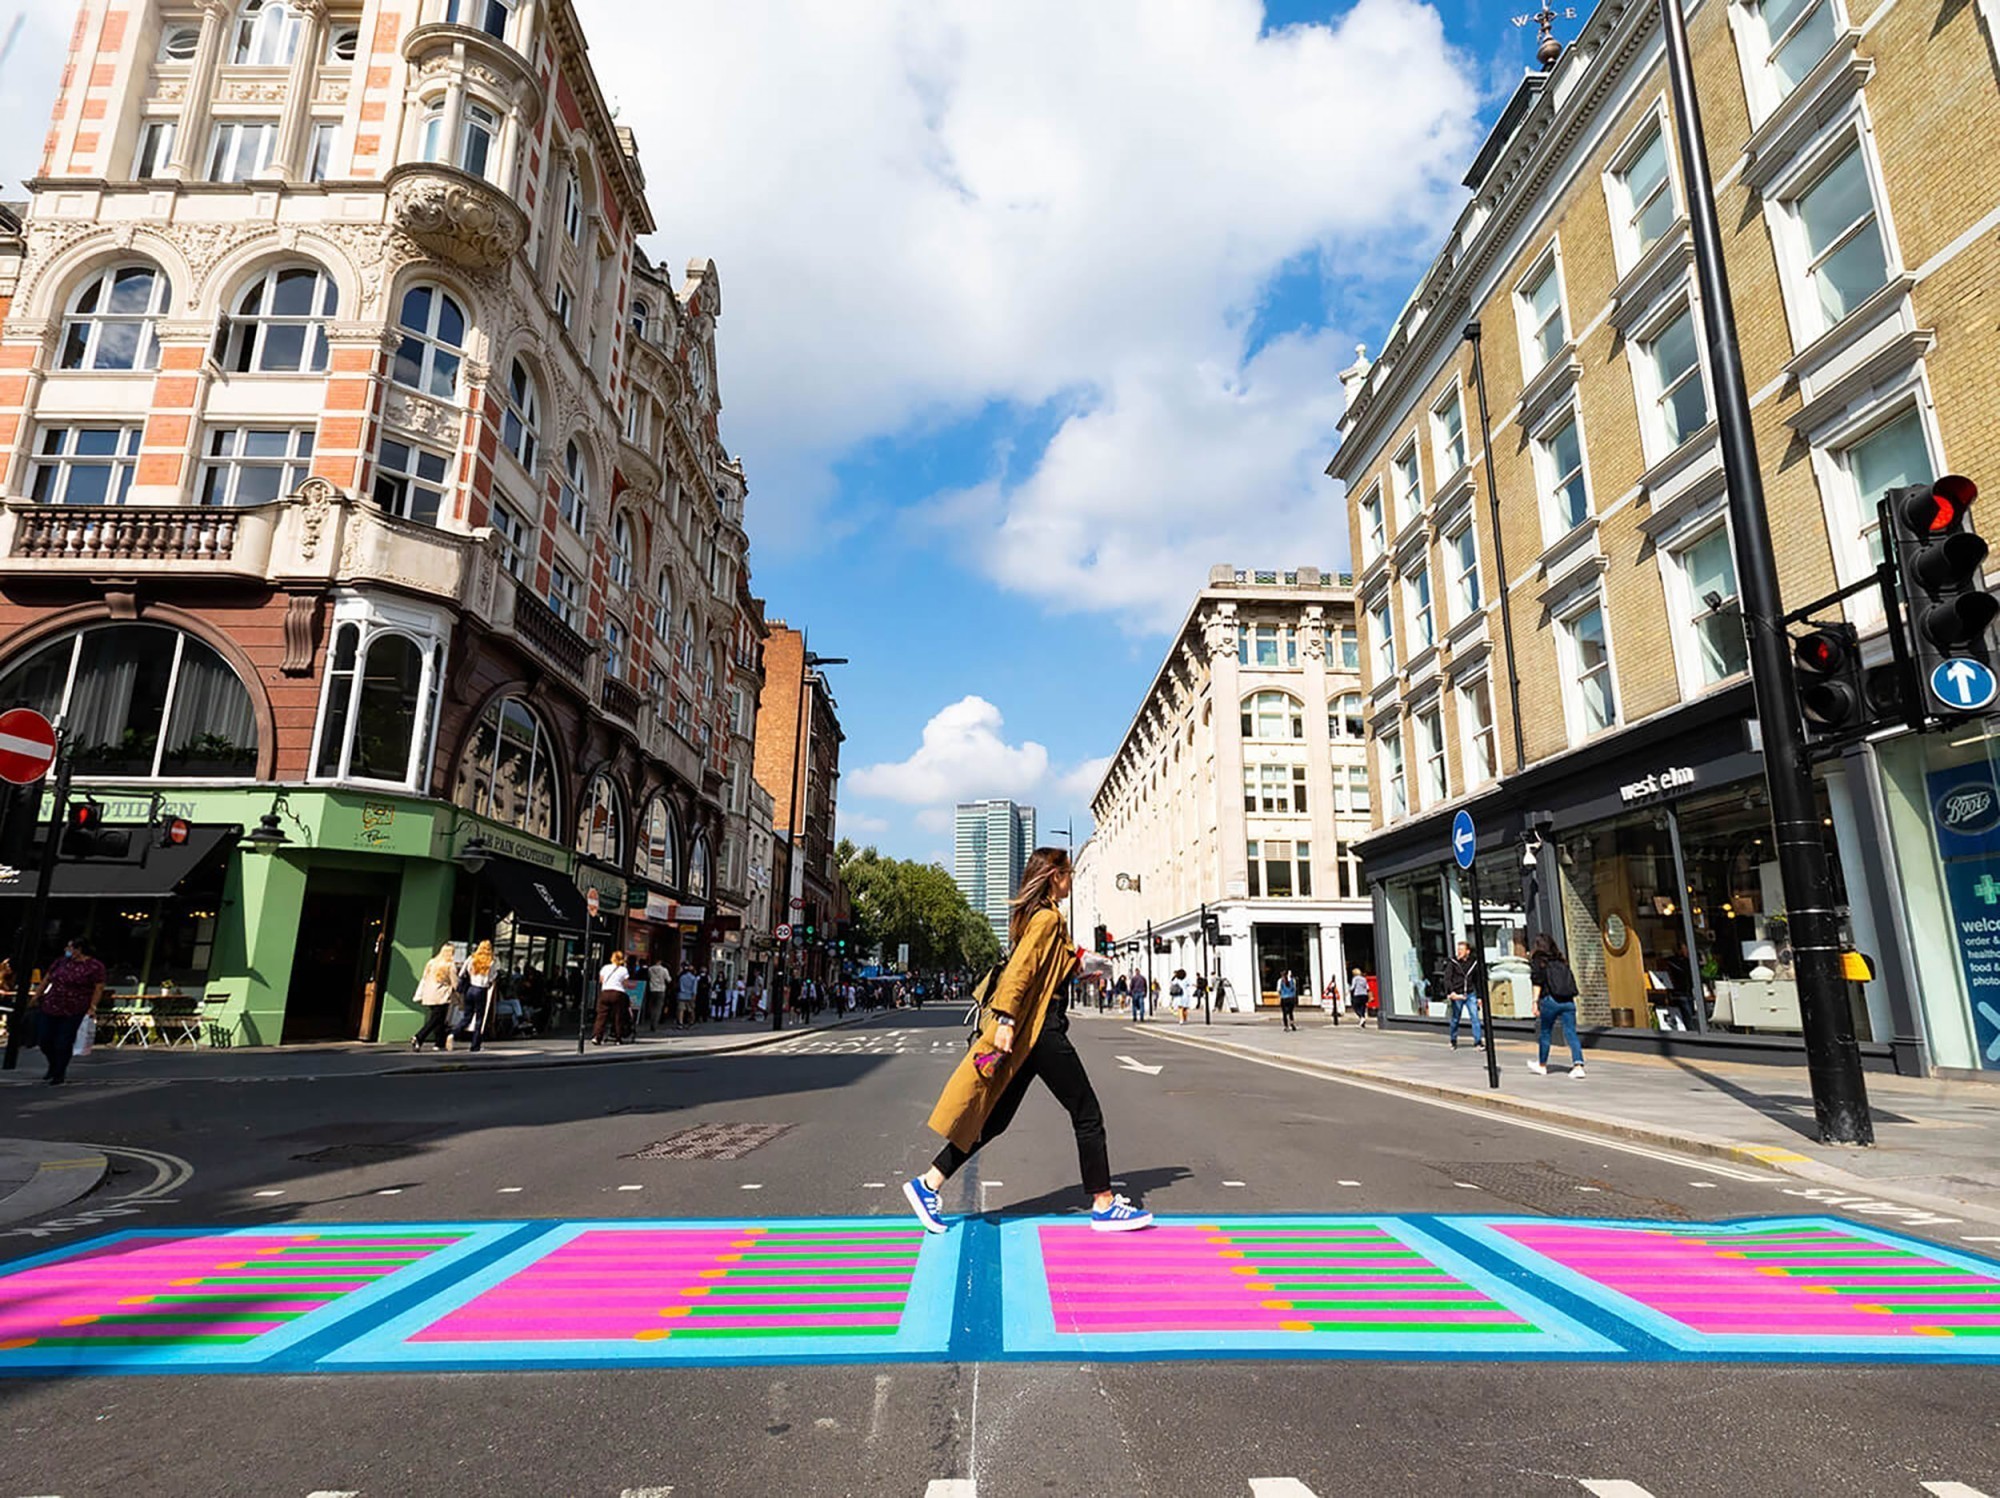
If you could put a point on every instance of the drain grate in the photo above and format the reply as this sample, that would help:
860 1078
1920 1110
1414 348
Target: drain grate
712 1142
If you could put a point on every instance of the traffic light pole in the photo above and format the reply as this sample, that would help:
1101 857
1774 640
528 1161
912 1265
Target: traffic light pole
1833 1057
38 909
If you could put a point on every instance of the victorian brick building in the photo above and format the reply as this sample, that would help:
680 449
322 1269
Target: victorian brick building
358 468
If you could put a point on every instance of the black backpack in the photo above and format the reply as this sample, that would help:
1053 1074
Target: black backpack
1558 982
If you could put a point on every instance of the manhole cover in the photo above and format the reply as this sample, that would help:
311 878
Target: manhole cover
357 1154
1560 1193
712 1142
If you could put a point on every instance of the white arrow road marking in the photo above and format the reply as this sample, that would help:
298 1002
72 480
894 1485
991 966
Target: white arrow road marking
647 1493
1613 1487
951 1487
1139 1066
1279 1487
1952 1490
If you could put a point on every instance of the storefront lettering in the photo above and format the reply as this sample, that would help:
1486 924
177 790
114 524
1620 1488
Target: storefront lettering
1968 809
377 817
1673 778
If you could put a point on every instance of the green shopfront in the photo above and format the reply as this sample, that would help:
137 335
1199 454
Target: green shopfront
322 937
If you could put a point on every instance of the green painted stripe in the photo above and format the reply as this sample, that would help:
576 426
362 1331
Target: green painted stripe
717 1333
734 1270
1423 1326
199 1340
1885 1272
144 1318
725 1288
1354 1301
797 1308
355 1281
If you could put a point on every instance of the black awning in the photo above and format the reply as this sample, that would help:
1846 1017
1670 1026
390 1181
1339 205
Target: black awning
161 874
541 899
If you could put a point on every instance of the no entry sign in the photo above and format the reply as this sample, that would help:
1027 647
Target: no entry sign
27 746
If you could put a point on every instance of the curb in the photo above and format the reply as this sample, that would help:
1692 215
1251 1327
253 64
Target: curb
1767 1157
551 1063
63 1172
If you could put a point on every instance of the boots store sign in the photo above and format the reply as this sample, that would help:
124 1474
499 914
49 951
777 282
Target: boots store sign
1664 782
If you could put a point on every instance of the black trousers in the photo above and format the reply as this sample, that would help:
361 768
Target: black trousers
1056 1062
1288 1010
436 1025
58 1039
611 1014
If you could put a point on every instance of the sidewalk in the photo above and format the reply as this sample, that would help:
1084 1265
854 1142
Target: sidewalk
1937 1142
36 1177
136 1064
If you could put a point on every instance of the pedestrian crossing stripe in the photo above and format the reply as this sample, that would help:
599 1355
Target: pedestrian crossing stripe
579 1294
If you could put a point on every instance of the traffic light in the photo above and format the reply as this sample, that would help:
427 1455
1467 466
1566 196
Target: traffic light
811 919
1831 688
81 826
1101 940
1941 560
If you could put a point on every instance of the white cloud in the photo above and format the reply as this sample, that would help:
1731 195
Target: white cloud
922 208
860 824
935 819
28 81
1081 783
963 757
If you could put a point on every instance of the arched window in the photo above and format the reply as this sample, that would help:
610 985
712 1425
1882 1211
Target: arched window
687 639
1346 717
343 44
489 16
659 844
178 44
663 606
280 323
1273 715
111 317
381 697
478 130
621 550
267 33
520 427
712 675
572 206
600 829
642 317
507 772
698 864
433 347
573 489
140 700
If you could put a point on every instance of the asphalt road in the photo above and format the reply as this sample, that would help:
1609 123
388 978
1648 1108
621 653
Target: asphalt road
1205 1135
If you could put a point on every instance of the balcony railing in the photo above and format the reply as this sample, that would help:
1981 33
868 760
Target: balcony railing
620 700
119 535
1302 577
538 627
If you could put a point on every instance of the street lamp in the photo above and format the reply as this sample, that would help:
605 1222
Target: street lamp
268 836
1069 841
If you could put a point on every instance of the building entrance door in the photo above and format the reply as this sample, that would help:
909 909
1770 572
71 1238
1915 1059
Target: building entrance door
338 969
1281 949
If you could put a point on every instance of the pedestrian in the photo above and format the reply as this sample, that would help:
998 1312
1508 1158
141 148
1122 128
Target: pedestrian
1177 991
612 1004
1024 1034
434 996
1117 993
1288 999
1358 994
704 996
1201 991
70 992
1330 997
1140 988
1460 979
659 992
480 971
1555 1003
684 993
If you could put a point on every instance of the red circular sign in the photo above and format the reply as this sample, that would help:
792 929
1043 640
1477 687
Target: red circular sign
27 746
590 900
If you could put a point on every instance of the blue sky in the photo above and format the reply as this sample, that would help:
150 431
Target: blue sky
1031 312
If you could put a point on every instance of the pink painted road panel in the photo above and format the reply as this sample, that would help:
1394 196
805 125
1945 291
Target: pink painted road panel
652 1284
1276 1279
1821 1283
195 1291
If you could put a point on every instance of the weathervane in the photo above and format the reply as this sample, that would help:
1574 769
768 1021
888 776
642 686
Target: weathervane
1545 22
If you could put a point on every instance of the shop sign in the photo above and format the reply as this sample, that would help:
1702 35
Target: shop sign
690 915
511 844
610 889
659 908
1965 810
1663 783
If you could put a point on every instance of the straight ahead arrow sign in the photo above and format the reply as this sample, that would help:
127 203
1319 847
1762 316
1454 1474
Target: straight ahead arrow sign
1130 1065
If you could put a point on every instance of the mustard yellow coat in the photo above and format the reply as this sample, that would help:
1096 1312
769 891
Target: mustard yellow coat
1042 962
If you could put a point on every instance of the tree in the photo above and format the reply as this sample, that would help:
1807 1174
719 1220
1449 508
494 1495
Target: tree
897 902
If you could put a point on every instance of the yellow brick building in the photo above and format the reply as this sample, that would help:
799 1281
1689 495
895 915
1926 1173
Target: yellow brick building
1587 702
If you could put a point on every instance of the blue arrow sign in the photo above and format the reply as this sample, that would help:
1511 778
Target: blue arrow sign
1963 685
1462 838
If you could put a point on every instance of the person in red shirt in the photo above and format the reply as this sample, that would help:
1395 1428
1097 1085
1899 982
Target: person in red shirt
69 995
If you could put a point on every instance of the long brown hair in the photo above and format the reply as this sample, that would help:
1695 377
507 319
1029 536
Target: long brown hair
1044 867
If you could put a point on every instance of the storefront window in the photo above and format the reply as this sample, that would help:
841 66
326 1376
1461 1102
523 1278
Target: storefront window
140 701
380 703
599 831
507 770
659 844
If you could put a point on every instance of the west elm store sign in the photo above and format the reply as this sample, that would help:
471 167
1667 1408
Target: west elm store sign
1674 778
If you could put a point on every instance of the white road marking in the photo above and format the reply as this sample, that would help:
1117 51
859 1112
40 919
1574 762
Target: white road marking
1613 1488
1347 1183
1581 1136
335 1493
509 1190
1951 1490
873 1185
268 1193
753 1185
1465 1185
390 1191
1279 1487
1139 1066
647 1493
951 1487
631 1188
1702 1185
1232 1183
1970 1239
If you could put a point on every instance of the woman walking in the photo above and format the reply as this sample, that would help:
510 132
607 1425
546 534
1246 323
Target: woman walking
1024 1034
612 1006
1555 1002
480 970
434 995
1288 1000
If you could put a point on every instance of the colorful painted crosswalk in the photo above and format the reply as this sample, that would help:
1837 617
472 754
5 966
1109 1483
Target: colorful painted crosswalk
523 1294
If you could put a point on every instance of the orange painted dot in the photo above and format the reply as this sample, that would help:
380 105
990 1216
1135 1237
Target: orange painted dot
1932 1331
182 1284
136 1300
1241 1268
1275 1305
697 1290
1219 1238
651 1334
1259 1285
755 1232
713 1274
16 1344
76 1320
1732 1253
746 1243
729 1258
672 1311
1295 1326
1232 1253
239 1264
1820 1290
307 1238
1874 1310
270 1250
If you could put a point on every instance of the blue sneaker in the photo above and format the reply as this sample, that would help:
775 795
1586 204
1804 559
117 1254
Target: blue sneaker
924 1202
1120 1217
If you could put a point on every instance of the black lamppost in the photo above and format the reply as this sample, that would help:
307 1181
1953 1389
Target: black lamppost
1833 1057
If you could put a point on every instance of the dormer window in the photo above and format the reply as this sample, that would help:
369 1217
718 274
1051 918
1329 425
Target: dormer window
490 16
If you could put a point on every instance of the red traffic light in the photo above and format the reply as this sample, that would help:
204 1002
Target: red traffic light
85 816
1943 507
1823 652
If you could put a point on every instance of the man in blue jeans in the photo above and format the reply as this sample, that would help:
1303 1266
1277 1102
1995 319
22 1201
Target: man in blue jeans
1460 979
